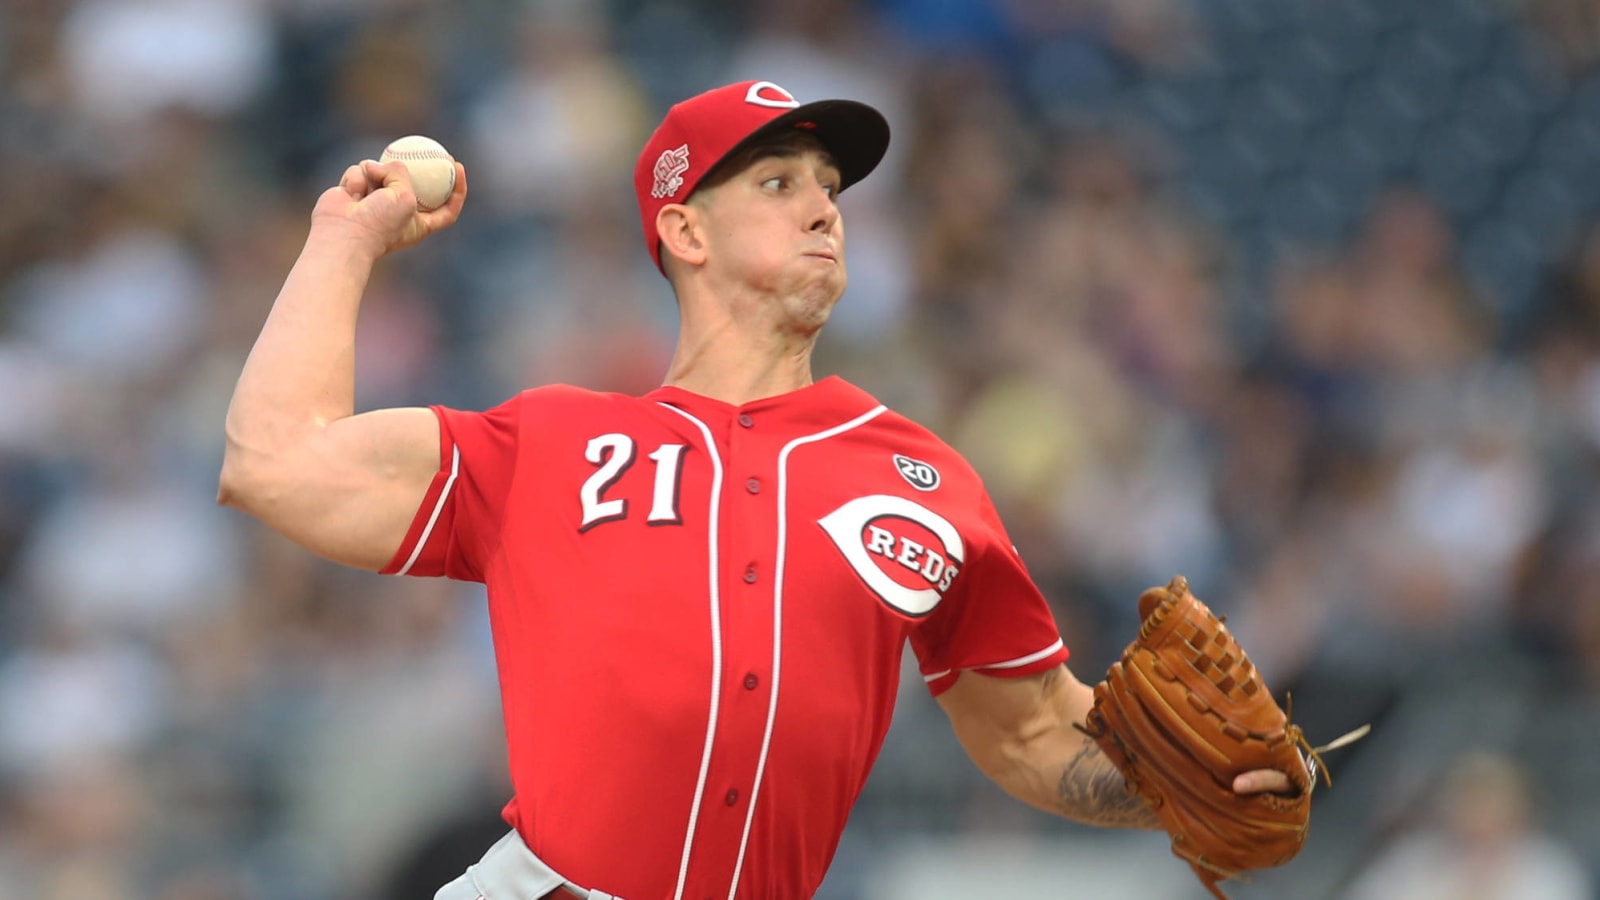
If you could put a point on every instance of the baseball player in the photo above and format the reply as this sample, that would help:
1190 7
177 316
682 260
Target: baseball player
699 597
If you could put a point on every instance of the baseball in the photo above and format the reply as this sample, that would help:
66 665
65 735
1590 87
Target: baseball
432 168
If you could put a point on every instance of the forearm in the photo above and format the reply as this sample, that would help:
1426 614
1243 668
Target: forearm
1060 769
300 375
1090 789
1023 734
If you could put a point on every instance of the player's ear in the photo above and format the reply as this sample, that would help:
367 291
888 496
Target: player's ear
678 225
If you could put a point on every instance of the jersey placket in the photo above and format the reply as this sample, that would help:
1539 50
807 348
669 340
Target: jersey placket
746 547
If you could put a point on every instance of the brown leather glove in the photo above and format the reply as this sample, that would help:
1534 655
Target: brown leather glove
1184 712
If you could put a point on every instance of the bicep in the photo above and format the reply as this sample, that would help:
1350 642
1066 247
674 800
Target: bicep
349 490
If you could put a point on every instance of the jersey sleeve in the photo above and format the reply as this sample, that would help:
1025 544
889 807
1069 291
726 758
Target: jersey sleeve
457 525
993 620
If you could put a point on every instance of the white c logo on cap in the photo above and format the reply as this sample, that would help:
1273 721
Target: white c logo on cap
754 96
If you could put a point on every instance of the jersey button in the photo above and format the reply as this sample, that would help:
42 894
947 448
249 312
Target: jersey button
750 574
753 485
731 797
750 681
746 421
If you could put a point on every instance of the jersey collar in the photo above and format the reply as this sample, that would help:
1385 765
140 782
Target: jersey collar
821 404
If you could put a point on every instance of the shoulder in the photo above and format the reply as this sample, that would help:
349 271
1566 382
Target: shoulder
561 394
540 411
567 399
918 444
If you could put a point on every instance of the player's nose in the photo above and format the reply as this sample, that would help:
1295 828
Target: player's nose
822 213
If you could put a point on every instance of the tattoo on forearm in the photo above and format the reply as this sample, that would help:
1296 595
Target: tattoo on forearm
1092 790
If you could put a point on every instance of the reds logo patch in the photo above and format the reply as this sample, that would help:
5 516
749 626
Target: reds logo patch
906 553
670 166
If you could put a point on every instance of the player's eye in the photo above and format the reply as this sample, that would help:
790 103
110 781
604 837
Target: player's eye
775 183
833 191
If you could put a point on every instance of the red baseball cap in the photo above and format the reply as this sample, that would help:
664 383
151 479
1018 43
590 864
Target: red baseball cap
703 130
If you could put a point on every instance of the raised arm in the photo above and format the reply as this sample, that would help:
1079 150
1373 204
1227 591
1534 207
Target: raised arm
345 486
1020 732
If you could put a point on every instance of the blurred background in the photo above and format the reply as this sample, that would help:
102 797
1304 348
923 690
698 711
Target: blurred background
1299 298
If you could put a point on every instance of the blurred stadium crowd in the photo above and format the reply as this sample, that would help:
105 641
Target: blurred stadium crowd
1299 298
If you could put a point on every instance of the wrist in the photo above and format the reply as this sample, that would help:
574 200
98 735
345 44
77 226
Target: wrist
346 239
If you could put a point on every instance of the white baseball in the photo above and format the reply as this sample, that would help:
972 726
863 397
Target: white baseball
432 168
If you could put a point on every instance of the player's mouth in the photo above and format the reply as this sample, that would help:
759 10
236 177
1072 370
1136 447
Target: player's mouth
823 254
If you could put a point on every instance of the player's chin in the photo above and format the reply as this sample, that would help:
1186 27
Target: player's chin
813 301
828 292
827 275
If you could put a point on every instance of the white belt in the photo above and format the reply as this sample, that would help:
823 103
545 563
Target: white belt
510 871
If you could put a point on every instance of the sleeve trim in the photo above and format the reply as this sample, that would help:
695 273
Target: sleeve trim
438 507
1025 660
1017 663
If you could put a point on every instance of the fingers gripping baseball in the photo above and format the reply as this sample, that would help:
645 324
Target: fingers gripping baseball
376 204
354 182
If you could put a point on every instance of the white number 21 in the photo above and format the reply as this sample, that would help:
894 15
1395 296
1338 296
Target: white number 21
614 453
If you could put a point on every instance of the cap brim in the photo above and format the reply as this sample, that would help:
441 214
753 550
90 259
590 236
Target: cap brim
854 134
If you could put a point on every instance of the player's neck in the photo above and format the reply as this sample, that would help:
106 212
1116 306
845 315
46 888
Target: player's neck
725 364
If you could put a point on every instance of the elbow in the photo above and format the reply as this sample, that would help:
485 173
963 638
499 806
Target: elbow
266 467
231 489
248 481
239 483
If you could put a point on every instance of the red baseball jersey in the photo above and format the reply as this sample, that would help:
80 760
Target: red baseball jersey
699 611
